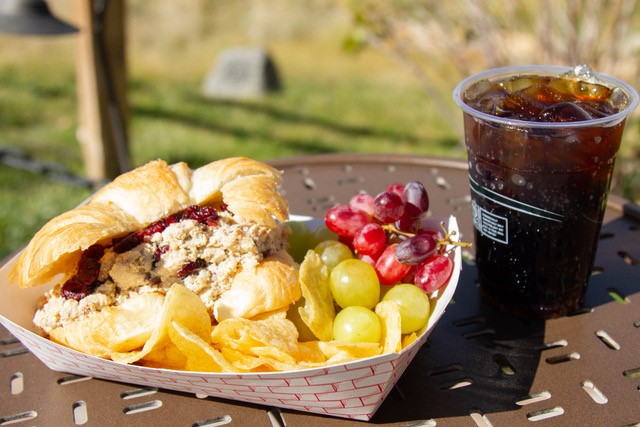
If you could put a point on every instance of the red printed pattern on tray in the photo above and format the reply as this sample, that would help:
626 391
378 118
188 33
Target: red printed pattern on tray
352 391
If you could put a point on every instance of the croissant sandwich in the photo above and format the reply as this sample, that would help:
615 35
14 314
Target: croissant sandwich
217 230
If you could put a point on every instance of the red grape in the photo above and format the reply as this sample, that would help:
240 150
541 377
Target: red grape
433 273
416 249
388 207
410 276
370 240
416 199
346 221
348 241
389 270
397 188
362 201
386 233
368 259
436 234
407 223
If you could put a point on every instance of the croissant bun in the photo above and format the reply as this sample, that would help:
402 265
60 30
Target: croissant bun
144 195
138 198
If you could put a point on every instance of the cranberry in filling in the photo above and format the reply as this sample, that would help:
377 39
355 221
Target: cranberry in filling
85 280
203 214
190 268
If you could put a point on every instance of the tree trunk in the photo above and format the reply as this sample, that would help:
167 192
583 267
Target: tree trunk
102 88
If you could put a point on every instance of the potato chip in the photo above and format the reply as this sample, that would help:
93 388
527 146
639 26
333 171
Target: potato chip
271 345
319 310
241 360
339 352
389 314
279 314
275 353
184 306
407 340
293 314
200 355
251 363
310 355
244 334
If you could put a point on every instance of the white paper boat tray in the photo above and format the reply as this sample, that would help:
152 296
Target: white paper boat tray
352 390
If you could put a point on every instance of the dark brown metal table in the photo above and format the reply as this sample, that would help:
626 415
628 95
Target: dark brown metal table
478 368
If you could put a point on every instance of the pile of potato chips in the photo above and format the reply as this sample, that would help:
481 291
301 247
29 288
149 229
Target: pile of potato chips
296 339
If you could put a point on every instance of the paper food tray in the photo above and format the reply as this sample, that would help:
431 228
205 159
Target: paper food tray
350 390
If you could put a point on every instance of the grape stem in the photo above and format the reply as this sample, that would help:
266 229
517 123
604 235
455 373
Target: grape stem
391 229
446 240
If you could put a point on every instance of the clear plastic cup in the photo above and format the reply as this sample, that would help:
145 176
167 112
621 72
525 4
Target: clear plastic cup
539 188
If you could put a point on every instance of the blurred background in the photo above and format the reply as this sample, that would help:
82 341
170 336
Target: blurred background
355 76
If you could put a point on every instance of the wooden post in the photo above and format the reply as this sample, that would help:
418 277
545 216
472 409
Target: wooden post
102 88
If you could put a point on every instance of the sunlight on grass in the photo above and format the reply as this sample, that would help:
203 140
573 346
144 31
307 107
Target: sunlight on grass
341 108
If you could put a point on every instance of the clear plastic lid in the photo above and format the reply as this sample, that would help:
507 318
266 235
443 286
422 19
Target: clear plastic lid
624 96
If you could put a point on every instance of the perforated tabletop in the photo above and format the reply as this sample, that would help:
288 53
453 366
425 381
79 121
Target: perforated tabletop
478 368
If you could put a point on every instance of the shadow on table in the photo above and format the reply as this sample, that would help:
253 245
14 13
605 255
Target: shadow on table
478 361
616 264
475 361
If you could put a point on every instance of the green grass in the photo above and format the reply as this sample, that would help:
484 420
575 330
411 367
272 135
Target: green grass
171 120
307 117
28 201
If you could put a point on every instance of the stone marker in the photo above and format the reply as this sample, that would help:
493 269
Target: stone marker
242 73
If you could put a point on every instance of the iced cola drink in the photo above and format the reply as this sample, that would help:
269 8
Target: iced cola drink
541 144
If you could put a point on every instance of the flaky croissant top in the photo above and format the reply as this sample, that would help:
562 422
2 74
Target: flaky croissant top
138 198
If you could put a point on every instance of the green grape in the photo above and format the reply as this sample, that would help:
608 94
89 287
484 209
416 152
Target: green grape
354 282
414 305
357 324
384 289
298 240
333 253
322 233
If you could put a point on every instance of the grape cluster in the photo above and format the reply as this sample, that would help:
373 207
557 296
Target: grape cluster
386 231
